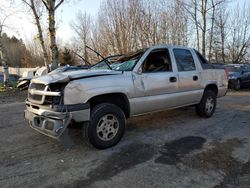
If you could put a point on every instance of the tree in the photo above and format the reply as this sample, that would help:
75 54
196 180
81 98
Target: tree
5 13
222 26
201 12
67 57
15 50
51 7
35 7
127 25
239 43
82 28
3 57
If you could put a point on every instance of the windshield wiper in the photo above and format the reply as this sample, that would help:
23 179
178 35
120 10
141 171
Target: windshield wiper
105 59
86 62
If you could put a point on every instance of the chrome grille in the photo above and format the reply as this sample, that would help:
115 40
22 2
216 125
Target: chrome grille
37 86
42 94
35 97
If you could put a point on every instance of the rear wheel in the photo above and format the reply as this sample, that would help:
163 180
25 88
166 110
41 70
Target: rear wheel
106 127
207 105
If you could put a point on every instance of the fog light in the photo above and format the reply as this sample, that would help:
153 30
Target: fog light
37 121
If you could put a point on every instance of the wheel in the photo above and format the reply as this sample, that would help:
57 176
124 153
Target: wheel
106 126
207 105
237 85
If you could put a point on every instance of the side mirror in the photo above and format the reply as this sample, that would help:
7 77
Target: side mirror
139 71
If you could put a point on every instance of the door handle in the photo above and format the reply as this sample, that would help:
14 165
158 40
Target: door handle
195 78
173 79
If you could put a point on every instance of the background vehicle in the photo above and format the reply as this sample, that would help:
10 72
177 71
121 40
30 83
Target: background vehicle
239 75
24 81
13 79
148 80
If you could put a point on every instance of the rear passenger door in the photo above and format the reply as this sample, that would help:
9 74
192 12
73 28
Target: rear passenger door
189 77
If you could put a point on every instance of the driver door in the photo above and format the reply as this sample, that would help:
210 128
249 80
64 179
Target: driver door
156 84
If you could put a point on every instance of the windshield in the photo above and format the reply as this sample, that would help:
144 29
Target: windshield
120 62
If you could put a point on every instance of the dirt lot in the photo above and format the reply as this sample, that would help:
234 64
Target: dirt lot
168 149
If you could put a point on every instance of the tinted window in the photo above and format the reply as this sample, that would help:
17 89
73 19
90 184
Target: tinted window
184 60
234 68
247 68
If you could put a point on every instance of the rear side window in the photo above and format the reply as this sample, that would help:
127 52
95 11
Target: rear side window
247 69
184 60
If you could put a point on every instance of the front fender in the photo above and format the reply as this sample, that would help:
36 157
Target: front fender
77 94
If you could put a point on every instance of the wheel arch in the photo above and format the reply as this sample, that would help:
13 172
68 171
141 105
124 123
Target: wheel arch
117 98
212 87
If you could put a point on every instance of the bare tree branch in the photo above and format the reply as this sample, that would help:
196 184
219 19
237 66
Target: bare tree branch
59 4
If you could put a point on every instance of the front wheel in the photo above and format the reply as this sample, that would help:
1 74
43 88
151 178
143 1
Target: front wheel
106 127
207 105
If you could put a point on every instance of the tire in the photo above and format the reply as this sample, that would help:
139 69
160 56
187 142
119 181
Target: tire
237 85
207 105
106 126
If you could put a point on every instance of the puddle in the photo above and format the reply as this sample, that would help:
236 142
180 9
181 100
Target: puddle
172 152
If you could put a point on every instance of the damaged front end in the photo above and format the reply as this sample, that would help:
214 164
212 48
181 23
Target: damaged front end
47 113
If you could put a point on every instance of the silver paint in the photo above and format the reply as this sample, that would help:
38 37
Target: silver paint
146 92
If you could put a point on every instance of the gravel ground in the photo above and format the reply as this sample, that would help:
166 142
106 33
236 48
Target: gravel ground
12 95
174 148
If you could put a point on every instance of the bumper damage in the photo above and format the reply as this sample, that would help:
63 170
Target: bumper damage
53 122
52 126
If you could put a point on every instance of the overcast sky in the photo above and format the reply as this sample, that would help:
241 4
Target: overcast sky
20 24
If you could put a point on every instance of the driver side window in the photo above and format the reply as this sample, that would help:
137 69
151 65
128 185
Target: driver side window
157 61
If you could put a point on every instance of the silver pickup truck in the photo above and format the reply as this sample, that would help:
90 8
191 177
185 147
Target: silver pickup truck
104 96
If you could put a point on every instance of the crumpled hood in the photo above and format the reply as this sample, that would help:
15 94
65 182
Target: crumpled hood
63 77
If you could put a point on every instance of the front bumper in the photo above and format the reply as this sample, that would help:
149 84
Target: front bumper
52 121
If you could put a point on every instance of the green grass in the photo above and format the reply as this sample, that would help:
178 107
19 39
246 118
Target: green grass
13 86
2 88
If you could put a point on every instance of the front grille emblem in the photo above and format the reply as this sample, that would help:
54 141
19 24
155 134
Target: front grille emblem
32 91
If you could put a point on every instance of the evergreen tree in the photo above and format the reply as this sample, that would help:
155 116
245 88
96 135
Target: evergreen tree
67 57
